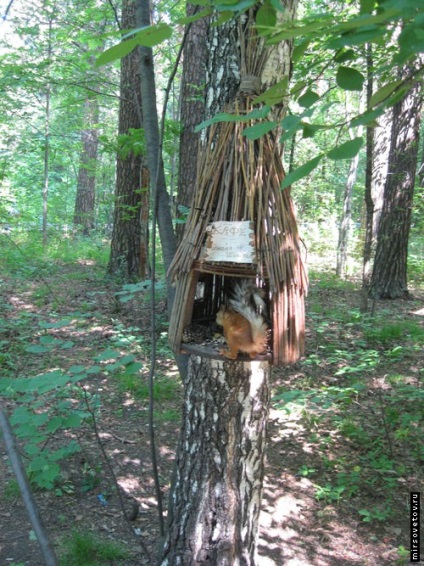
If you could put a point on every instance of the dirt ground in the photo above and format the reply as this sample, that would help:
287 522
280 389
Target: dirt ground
296 529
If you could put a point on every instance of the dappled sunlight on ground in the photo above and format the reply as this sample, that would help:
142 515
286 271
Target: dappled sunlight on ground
307 451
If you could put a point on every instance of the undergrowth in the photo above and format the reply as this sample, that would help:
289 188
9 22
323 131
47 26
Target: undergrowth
371 397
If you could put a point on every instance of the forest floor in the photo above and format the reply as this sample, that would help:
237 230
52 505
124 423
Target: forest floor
345 439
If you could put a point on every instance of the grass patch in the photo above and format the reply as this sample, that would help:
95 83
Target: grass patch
395 332
164 389
23 255
89 550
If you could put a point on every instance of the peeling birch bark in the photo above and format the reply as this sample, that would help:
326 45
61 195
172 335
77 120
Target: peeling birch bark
220 465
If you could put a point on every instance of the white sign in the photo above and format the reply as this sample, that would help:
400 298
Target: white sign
231 242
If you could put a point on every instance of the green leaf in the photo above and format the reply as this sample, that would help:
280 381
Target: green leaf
366 6
411 38
73 420
301 171
297 89
112 367
46 340
349 79
369 20
37 349
384 92
309 130
67 345
367 118
148 37
346 150
344 55
292 30
129 358
266 17
32 449
300 50
198 16
133 368
258 130
116 52
274 94
94 369
308 99
76 369
291 122
234 5
107 355
54 424
256 114
224 17
58 324
372 34
153 35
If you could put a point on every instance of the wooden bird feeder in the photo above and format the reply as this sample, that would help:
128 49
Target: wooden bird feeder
241 225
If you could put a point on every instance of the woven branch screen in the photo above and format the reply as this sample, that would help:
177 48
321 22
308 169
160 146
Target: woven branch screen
239 179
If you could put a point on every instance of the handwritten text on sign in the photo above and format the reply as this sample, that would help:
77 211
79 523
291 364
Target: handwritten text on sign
230 241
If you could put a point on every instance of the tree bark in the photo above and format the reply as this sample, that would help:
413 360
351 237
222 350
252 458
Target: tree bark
154 150
380 166
85 198
129 244
346 218
389 277
192 110
216 492
217 487
45 191
369 203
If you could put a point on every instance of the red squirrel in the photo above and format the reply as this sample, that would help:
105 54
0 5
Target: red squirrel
244 328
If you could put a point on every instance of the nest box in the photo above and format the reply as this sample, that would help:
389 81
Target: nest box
241 225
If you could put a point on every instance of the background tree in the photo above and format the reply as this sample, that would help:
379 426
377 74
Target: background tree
389 276
192 113
86 184
27 73
129 243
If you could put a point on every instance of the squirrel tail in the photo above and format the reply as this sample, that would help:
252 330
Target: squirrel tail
246 294
247 300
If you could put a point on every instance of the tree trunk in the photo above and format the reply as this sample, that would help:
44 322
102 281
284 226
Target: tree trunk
85 198
369 203
217 487
389 277
216 493
45 191
380 167
154 150
346 218
128 254
192 110
161 201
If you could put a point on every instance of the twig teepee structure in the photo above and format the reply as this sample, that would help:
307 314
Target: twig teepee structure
239 179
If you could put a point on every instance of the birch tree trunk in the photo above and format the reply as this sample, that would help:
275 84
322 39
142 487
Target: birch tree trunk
217 486
369 203
45 190
217 491
346 218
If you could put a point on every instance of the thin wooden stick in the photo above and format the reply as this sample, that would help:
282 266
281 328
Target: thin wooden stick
46 546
